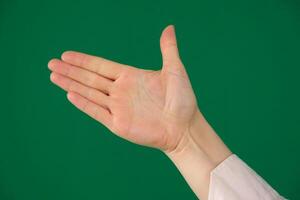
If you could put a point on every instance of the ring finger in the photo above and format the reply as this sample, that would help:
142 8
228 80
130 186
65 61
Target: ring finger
89 93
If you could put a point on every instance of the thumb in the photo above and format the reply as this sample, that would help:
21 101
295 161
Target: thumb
170 54
168 46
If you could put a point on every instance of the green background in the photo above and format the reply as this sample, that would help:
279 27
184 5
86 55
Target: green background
243 61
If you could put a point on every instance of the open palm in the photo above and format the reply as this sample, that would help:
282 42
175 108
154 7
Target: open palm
152 108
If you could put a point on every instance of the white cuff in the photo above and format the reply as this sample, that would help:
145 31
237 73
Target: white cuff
233 179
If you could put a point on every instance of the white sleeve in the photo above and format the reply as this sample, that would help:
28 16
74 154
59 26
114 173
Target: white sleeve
233 179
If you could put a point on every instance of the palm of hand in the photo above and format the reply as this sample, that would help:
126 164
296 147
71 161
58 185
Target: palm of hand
152 108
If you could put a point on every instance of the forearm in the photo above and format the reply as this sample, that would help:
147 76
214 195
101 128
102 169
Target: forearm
195 166
198 153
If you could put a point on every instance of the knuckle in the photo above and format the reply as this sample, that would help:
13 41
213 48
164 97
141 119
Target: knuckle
120 128
71 86
108 88
100 62
84 61
95 114
90 80
69 71
85 107
89 94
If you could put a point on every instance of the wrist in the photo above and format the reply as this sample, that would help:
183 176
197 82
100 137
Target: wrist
208 140
200 133
186 135
188 147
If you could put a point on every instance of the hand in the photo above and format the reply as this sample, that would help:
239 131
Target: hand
152 108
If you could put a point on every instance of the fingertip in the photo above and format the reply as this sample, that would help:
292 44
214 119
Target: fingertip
171 28
71 96
51 63
168 35
53 77
66 55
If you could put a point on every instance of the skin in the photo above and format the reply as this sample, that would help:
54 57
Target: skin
152 108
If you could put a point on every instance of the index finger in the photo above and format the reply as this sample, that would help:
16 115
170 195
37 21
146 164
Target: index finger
101 66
